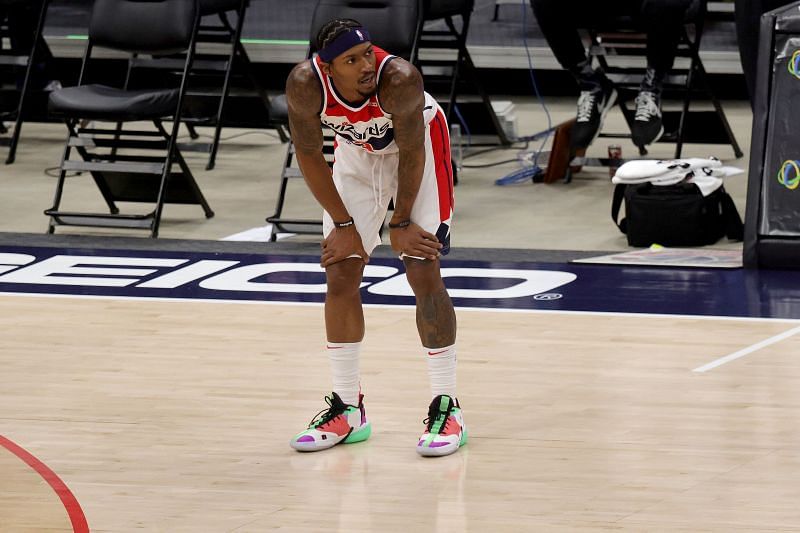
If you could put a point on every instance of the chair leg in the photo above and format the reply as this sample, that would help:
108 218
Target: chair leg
175 155
287 162
37 39
172 148
236 35
12 146
62 175
207 211
15 134
687 98
282 135
192 132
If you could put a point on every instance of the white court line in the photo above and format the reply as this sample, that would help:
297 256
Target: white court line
407 306
750 349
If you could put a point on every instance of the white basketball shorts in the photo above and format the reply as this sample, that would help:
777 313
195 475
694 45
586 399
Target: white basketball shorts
367 182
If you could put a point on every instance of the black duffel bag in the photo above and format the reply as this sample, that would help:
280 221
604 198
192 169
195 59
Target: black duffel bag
675 215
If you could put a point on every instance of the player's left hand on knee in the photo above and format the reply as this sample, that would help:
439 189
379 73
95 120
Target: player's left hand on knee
414 241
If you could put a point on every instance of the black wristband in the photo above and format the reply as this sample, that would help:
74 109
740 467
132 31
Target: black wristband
400 225
345 224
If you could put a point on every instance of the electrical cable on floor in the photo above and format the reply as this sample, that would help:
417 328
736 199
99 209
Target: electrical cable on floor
54 172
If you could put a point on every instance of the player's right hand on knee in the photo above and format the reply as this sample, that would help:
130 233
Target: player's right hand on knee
414 241
340 244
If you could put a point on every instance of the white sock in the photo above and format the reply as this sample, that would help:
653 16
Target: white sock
442 370
344 367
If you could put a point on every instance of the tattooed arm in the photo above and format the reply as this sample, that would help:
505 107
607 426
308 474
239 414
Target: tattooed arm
304 99
401 94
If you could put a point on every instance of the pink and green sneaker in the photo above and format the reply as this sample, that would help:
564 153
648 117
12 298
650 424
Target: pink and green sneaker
340 423
445 431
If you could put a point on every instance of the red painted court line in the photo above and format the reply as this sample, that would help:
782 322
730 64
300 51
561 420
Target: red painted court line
74 511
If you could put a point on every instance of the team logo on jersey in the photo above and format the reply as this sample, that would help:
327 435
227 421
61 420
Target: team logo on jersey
349 130
372 137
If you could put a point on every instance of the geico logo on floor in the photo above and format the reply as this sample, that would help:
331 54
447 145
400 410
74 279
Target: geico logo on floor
184 277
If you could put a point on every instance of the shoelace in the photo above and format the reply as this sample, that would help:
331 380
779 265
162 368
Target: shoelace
434 414
585 105
334 409
646 106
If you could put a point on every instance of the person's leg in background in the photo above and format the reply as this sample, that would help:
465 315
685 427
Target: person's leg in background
559 21
663 21
748 21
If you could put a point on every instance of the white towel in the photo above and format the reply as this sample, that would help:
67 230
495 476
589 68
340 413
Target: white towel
641 169
706 184
706 173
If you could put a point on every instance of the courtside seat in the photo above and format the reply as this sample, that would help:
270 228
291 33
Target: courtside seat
110 103
129 161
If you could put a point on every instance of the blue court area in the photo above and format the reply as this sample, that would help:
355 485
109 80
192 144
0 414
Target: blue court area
521 280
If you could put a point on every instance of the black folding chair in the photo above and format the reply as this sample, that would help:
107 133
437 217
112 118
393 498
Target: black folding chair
394 26
138 164
229 34
19 60
460 68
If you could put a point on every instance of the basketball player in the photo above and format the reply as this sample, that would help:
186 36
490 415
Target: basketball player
391 142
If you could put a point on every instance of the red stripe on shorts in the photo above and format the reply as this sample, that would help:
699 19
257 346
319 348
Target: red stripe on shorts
440 140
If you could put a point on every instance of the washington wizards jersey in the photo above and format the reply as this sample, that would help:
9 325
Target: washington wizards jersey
365 125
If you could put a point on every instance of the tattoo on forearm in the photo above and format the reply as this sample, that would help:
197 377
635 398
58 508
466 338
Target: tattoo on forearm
402 95
436 320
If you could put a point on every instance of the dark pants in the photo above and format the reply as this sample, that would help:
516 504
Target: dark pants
748 22
560 20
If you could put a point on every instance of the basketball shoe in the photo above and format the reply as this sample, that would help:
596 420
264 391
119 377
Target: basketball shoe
598 95
340 423
444 428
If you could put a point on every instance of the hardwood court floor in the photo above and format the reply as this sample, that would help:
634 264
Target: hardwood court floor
175 416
